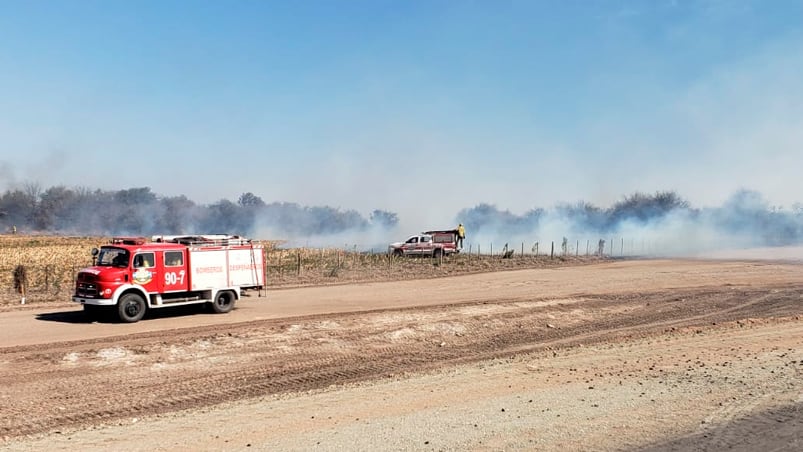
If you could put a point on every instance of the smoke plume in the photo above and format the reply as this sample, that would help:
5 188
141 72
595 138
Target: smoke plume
659 224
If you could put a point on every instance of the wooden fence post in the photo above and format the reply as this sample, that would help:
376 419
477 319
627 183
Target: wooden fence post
552 253
21 281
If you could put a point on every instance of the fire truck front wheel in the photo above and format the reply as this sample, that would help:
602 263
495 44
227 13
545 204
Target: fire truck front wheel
131 308
224 302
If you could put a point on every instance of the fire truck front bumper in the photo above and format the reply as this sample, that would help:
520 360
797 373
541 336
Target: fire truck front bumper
94 301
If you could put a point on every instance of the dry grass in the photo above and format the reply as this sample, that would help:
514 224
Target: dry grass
50 262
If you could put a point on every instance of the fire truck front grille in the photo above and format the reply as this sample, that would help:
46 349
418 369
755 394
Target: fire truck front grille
86 285
89 290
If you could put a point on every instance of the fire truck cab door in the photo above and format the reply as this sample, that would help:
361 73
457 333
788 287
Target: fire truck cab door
144 271
175 278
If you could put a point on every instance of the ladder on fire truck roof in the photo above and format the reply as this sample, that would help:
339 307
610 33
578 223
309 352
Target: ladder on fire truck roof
203 240
255 274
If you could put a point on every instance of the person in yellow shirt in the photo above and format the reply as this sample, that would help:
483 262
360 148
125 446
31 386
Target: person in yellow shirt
461 234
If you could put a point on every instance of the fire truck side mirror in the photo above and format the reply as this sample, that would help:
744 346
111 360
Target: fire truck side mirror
95 252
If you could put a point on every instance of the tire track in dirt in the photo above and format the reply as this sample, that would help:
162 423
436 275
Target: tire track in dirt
764 414
131 376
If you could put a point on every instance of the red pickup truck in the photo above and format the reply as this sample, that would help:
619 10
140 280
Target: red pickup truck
429 243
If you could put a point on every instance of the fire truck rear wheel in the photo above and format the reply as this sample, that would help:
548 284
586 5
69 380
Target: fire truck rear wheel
131 308
224 302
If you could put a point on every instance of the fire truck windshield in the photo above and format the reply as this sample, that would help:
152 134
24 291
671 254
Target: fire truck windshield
113 257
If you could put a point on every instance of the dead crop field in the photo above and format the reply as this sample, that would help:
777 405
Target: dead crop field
50 264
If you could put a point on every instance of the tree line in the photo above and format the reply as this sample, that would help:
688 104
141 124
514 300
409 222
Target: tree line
140 211
745 214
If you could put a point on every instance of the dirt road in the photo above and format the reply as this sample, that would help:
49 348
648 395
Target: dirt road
625 355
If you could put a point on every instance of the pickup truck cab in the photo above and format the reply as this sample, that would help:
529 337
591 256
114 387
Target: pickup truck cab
430 243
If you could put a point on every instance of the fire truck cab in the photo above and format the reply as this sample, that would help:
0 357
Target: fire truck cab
132 275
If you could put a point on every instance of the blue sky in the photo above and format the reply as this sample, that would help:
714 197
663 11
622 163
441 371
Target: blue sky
418 107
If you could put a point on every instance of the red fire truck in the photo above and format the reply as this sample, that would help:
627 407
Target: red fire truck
132 275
